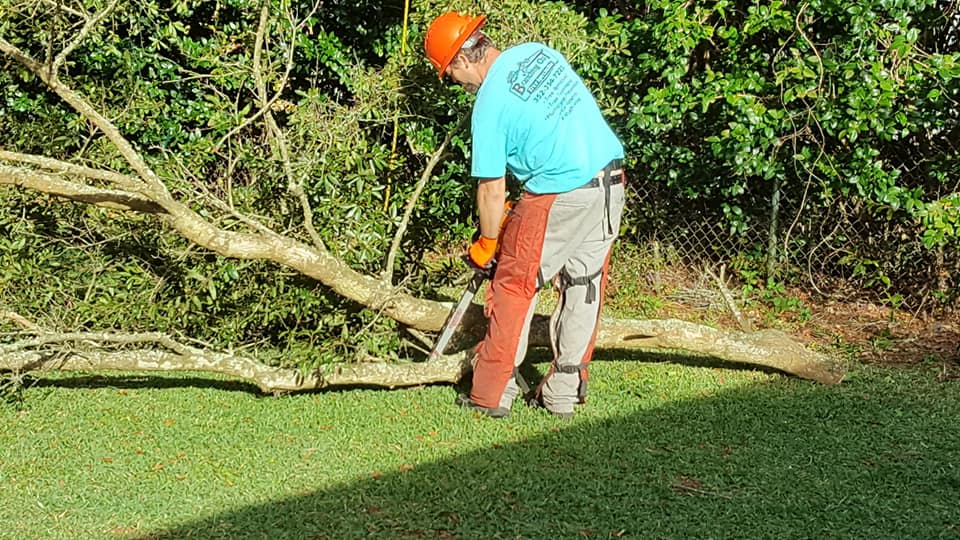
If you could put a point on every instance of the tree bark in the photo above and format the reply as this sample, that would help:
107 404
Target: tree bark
267 378
50 351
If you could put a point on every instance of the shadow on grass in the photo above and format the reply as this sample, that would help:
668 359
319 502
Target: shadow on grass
683 358
140 381
872 458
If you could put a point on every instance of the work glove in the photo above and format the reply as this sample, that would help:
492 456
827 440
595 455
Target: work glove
481 255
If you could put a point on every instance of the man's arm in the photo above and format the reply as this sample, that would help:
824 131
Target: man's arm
491 196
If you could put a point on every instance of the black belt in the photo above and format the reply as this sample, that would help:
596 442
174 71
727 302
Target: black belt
614 168
616 177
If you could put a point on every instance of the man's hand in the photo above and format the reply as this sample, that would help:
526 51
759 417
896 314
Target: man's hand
481 253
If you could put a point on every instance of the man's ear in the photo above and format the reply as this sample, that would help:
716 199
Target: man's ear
459 61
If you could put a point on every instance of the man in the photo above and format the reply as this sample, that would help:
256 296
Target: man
534 117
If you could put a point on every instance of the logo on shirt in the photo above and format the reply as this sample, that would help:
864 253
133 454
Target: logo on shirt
543 79
531 74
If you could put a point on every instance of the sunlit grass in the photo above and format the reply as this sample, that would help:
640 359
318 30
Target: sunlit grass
677 449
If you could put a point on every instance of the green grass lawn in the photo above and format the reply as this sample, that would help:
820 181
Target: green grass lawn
662 450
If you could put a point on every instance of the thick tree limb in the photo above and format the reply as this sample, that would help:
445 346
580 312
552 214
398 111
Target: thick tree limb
43 350
767 348
55 185
268 379
46 352
125 182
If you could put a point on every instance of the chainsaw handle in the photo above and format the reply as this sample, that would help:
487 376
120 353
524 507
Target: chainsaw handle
485 272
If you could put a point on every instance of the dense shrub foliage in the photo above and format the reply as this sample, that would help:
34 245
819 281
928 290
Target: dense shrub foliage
831 104
726 105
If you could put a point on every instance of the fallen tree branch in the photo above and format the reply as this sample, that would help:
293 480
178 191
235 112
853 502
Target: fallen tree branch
44 350
51 351
99 339
767 348
126 183
56 185
764 348
267 378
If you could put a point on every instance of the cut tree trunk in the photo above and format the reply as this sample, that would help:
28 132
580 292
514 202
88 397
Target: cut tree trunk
769 349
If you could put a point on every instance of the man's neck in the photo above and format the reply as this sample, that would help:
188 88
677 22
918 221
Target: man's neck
486 63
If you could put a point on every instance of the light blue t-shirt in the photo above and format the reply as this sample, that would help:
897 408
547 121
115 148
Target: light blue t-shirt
535 116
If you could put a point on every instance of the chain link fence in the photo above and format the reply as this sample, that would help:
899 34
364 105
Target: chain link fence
831 248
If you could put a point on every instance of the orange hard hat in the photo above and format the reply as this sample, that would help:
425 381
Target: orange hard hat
446 35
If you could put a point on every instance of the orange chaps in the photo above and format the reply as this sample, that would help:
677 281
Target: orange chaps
565 238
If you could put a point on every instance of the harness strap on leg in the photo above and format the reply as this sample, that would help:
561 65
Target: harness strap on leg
521 382
591 295
579 368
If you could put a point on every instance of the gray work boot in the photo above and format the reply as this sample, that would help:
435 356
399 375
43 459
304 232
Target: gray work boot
559 413
464 401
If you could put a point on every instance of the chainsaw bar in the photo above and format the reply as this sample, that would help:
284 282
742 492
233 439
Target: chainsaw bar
453 321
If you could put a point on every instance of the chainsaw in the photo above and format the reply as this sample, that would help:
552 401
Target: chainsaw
480 274
453 321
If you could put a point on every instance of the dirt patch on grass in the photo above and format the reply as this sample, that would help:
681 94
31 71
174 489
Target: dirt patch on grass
883 335
849 324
